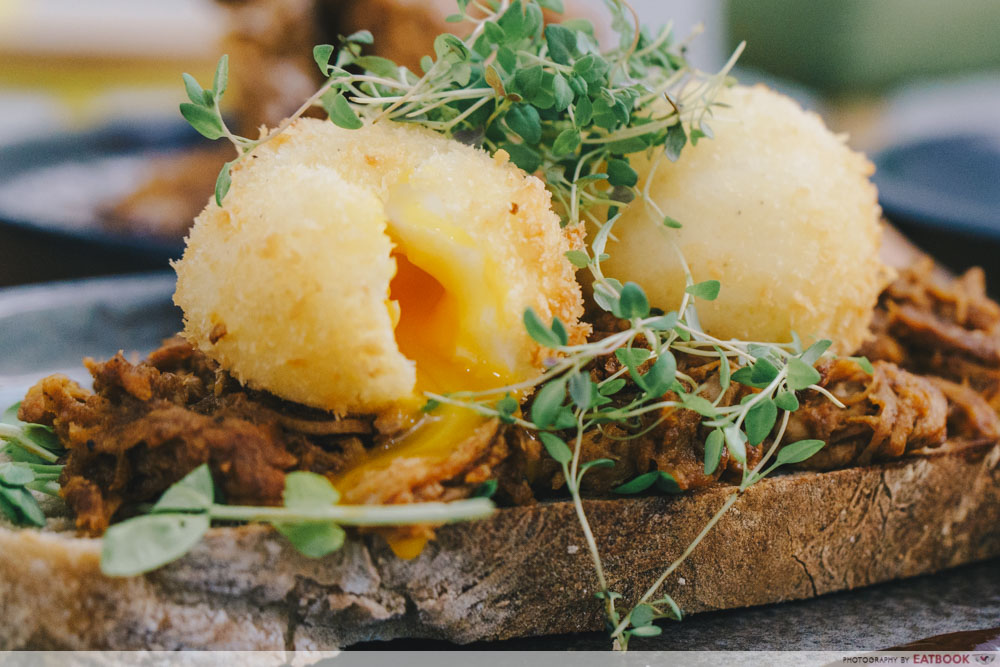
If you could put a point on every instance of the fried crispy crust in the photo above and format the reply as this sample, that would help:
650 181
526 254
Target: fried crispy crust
295 267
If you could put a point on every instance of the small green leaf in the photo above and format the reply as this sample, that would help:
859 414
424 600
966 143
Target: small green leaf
786 400
578 258
360 37
671 223
713 450
799 451
612 387
581 390
658 380
322 54
305 490
735 443
195 491
13 474
676 138
507 406
562 92
801 375
666 482
194 90
760 420
559 329
815 351
20 506
308 490
596 463
642 615
583 113
147 542
221 79
313 539
632 357
556 448
567 142
866 365
621 173
378 66
699 404
340 110
542 334
763 372
561 42
725 372
674 609
223 182
632 302
664 322
430 406
486 489
548 401
707 290
523 156
647 631
205 121
525 121
639 484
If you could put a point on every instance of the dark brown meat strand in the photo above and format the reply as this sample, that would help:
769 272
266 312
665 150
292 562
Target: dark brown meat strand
944 329
147 425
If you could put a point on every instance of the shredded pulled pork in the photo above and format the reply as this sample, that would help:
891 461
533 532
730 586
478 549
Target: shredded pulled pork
147 425
950 330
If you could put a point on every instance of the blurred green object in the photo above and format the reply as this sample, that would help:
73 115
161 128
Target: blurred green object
865 45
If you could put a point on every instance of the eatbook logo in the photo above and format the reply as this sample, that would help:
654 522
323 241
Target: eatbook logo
985 658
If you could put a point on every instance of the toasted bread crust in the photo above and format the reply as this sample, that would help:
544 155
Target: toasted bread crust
518 573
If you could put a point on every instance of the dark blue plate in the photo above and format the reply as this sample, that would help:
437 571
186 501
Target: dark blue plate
949 184
56 185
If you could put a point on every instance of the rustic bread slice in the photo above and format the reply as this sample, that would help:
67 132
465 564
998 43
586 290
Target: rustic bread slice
523 572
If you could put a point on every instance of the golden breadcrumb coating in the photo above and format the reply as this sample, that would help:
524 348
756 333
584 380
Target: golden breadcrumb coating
287 285
778 209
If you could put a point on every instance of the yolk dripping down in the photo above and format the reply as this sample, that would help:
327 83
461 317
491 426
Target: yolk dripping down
450 319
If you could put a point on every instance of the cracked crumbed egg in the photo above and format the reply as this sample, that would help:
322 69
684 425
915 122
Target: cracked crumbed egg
775 207
351 270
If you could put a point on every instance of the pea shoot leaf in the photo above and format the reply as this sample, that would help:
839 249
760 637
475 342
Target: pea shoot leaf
548 401
556 448
713 450
760 420
313 539
707 290
799 451
340 111
147 542
801 375
195 491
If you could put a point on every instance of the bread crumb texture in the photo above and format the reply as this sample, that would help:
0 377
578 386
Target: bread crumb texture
775 207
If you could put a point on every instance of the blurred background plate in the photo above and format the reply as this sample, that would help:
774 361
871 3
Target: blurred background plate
63 185
50 328
951 182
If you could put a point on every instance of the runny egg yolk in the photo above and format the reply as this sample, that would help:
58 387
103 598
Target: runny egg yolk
447 302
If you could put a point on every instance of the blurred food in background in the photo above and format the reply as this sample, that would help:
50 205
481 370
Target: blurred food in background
271 43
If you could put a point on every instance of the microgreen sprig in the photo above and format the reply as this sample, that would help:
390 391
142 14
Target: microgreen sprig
310 519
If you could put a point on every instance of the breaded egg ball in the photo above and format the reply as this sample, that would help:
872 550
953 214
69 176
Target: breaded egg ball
349 269
775 207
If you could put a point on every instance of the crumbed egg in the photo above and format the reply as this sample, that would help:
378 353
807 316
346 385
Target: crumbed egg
775 207
352 270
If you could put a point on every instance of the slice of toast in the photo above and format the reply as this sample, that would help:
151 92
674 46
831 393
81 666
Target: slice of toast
526 571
